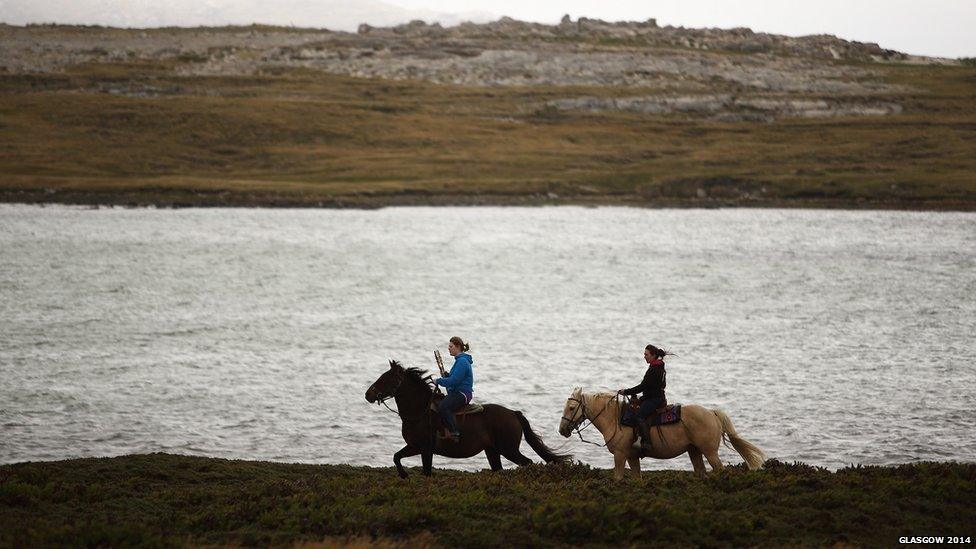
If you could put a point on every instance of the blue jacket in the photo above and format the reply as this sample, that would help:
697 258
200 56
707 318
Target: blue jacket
461 377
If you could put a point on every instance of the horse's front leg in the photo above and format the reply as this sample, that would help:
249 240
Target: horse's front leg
427 456
406 451
619 461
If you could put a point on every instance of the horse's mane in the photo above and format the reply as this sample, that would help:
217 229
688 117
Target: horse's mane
609 395
419 375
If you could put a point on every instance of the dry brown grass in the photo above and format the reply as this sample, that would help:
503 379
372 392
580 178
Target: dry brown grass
301 137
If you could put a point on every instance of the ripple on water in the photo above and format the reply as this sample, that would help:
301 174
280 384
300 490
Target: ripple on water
254 333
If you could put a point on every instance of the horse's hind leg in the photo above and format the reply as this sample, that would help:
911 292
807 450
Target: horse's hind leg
714 461
428 458
494 459
696 460
634 463
516 457
507 439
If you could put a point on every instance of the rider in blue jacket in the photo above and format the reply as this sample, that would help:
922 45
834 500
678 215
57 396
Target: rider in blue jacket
459 383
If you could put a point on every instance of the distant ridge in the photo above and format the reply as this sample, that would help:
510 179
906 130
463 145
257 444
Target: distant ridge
649 33
339 15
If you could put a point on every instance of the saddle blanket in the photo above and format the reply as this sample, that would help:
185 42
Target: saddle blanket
671 414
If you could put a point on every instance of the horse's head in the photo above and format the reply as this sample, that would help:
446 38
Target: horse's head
573 413
387 384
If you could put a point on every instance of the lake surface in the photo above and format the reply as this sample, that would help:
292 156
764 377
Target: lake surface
829 337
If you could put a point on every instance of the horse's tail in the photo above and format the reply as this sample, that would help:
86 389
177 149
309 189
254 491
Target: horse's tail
750 452
540 447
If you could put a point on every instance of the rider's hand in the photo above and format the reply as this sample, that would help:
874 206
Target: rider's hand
621 391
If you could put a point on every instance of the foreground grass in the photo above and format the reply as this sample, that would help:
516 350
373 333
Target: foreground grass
175 500
304 138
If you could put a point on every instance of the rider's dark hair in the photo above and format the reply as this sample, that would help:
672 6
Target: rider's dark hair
460 344
658 352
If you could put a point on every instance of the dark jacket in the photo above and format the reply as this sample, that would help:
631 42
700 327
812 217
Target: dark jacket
654 382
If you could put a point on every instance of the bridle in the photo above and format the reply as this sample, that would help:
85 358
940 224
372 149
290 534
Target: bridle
575 424
382 400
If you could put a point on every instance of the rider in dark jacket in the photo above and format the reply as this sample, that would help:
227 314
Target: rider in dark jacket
652 387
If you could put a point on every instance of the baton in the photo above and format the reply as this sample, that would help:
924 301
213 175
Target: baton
440 363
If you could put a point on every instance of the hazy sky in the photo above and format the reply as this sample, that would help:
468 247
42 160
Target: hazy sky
944 28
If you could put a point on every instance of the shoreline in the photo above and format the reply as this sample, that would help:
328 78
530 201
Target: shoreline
415 469
165 499
374 202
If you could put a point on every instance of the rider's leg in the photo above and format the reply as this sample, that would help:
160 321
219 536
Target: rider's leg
647 407
446 408
645 411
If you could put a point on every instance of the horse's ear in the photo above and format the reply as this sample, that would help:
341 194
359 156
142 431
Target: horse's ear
392 364
577 392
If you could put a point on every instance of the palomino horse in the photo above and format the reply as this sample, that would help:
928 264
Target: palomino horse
496 430
700 431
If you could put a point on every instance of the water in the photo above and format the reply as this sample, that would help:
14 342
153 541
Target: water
830 337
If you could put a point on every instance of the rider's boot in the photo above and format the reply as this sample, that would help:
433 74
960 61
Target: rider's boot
644 431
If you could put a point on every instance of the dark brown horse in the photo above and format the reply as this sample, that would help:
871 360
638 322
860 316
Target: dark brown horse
497 430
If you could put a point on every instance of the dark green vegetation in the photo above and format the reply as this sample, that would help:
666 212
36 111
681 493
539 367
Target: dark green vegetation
137 132
175 500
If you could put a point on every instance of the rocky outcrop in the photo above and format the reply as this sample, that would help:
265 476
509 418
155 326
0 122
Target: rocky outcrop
697 72
649 34
39 48
545 65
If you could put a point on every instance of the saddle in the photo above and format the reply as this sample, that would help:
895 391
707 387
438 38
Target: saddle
464 410
635 403
668 413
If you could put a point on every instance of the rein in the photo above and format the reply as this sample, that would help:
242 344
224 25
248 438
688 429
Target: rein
582 407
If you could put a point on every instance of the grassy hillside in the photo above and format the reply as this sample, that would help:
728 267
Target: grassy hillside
164 499
134 132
